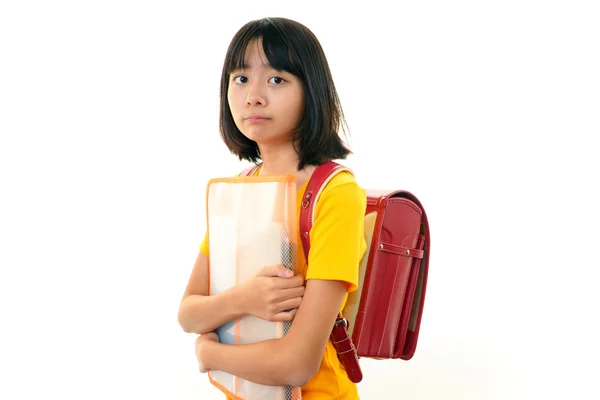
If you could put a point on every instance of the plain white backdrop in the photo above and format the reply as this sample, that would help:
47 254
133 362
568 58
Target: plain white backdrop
487 111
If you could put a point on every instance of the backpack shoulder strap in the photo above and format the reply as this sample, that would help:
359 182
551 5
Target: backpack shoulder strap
248 171
317 182
342 342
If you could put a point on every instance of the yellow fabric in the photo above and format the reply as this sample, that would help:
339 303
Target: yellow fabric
337 246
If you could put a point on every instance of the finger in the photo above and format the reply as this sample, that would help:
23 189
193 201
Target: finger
212 336
290 293
296 281
289 304
285 316
284 272
275 270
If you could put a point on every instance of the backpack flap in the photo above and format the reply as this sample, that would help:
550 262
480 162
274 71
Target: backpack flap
418 283
380 310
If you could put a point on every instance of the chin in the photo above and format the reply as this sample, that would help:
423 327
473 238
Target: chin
258 135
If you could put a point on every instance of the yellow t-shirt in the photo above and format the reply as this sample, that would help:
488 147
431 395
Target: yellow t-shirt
337 245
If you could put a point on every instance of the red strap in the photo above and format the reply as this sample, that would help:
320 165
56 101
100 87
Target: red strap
401 250
313 189
345 349
339 335
249 170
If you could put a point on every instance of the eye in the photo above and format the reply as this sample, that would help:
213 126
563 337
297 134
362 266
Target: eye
277 80
240 79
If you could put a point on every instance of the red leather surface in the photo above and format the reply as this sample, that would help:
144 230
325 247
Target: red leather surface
346 351
386 290
412 334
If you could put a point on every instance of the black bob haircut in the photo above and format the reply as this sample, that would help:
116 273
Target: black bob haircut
291 47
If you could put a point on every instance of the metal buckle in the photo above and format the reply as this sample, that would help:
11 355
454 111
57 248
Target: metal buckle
342 321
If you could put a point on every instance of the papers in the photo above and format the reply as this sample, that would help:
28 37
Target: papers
252 223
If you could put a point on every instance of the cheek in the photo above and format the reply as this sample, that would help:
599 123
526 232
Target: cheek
233 100
299 107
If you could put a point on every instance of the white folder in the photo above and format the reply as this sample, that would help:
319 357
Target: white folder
252 223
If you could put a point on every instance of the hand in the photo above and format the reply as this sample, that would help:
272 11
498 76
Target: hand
201 342
271 292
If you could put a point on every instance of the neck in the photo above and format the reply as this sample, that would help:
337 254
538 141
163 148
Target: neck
282 161
278 160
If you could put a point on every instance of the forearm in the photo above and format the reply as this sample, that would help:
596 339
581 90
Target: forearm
267 362
202 314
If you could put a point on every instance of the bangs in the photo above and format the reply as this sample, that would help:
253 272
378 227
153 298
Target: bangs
279 54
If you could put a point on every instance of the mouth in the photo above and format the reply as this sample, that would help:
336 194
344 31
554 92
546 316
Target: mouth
256 118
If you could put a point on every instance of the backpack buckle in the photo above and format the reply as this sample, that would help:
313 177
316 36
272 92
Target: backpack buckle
341 321
306 201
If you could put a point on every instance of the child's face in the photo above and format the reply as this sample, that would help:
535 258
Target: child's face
266 104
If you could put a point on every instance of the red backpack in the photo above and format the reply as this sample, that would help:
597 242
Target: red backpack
382 318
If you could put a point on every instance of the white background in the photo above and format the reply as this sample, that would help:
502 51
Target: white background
487 111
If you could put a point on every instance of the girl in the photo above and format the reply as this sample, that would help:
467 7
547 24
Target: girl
279 106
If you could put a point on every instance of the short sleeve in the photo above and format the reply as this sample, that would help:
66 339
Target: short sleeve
337 241
204 244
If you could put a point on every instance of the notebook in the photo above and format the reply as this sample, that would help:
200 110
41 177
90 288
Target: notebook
251 223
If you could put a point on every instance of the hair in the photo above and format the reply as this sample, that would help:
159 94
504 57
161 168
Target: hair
292 47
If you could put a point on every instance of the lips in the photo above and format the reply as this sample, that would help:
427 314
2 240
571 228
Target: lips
256 118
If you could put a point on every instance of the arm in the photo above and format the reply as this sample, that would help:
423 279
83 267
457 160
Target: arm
201 313
337 245
267 295
293 359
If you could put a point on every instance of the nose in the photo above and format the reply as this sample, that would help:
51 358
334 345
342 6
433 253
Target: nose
256 95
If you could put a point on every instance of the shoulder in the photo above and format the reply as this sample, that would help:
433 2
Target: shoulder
341 178
344 191
337 240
